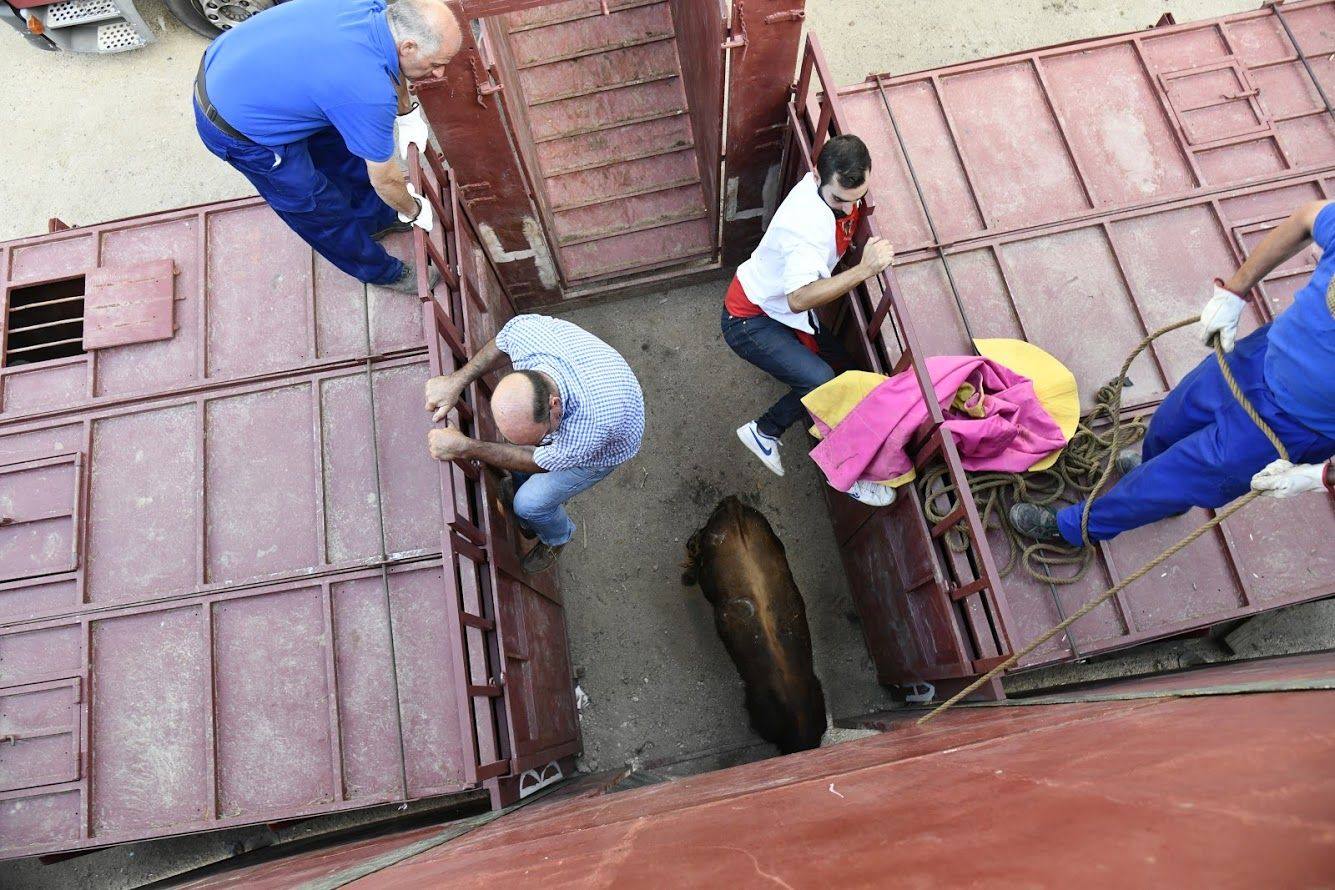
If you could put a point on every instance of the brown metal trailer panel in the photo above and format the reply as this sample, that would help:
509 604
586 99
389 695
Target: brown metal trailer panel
234 587
1078 197
1027 795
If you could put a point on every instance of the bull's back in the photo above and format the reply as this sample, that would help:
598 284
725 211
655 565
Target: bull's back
761 618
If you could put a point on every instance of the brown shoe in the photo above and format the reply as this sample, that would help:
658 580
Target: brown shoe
540 558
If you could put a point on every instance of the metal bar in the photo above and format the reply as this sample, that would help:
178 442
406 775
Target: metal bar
1037 67
57 302
927 214
47 324
380 524
477 621
52 345
210 711
1170 115
331 681
1302 56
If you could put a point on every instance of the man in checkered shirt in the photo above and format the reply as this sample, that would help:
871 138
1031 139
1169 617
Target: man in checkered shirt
571 412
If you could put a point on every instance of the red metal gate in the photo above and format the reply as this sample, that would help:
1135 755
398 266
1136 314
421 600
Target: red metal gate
234 587
1027 196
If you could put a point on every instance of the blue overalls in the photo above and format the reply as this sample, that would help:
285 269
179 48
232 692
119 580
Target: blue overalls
311 86
1201 449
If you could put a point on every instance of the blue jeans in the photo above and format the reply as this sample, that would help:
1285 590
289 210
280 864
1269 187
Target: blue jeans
774 348
540 499
1201 449
322 191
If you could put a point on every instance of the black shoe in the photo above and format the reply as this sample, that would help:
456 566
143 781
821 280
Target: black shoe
507 493
1127 460
392 229
1038 523
406 283
540 558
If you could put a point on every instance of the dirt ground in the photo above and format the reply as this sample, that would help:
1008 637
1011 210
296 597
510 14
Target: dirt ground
87 139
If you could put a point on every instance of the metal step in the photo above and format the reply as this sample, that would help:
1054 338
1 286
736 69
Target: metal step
619 159
613 8
599 50
605 88
70 13
611 125
621 196
643 226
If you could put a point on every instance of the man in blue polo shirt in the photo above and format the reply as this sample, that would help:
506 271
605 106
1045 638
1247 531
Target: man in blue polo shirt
305 101
1202 450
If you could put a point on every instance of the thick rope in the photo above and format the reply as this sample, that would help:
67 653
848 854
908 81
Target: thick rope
1172 551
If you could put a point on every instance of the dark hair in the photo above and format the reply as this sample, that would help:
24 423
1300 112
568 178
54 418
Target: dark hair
542 392
847 156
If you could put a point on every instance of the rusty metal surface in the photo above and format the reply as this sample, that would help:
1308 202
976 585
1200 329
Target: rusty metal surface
767 36
465 107
701 27
1040 796
1110 179
235 588
599 108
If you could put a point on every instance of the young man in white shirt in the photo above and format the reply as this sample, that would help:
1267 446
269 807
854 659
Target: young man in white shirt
769 314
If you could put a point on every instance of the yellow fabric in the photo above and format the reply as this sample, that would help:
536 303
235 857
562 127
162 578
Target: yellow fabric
832 401
1054 384
965 403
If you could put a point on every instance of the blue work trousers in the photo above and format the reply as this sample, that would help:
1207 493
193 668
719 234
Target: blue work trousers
540 499
322 191
1201 449
773 347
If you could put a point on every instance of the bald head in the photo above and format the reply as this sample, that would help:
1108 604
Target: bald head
427 35
526 406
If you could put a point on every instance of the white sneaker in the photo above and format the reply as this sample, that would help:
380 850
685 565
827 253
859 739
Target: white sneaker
873 494
762 446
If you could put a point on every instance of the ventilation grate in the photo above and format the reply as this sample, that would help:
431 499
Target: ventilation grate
69 13
44 322
117 36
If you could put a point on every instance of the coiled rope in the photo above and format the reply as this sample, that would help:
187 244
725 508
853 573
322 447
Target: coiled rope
1108 443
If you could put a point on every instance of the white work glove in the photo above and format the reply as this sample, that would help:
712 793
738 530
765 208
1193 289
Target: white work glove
1282 479
1221 316
410 128
425 219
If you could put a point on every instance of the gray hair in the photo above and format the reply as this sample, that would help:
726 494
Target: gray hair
408 21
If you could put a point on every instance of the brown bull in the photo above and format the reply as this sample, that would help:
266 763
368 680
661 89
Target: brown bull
740 566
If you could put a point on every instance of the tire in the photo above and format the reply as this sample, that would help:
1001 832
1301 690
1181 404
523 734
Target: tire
188 13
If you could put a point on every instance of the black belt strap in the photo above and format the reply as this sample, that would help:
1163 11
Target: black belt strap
202 97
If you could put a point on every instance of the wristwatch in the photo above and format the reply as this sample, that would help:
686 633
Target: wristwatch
1328 476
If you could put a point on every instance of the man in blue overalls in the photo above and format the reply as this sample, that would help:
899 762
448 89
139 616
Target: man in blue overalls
1201 449
305 101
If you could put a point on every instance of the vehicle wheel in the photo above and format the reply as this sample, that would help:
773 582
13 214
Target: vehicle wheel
211 17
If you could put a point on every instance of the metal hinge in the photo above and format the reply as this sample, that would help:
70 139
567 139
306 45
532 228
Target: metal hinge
788 15
485 84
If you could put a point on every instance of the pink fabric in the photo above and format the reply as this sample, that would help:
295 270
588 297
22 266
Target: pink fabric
1015 433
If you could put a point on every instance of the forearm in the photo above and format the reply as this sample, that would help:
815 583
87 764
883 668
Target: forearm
1283 242
405 98
394 192
826 290
504 456
484 360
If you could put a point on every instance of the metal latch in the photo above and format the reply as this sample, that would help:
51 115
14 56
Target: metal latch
737 32
788 15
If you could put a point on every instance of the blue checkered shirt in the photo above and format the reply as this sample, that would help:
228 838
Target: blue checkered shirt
603 419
